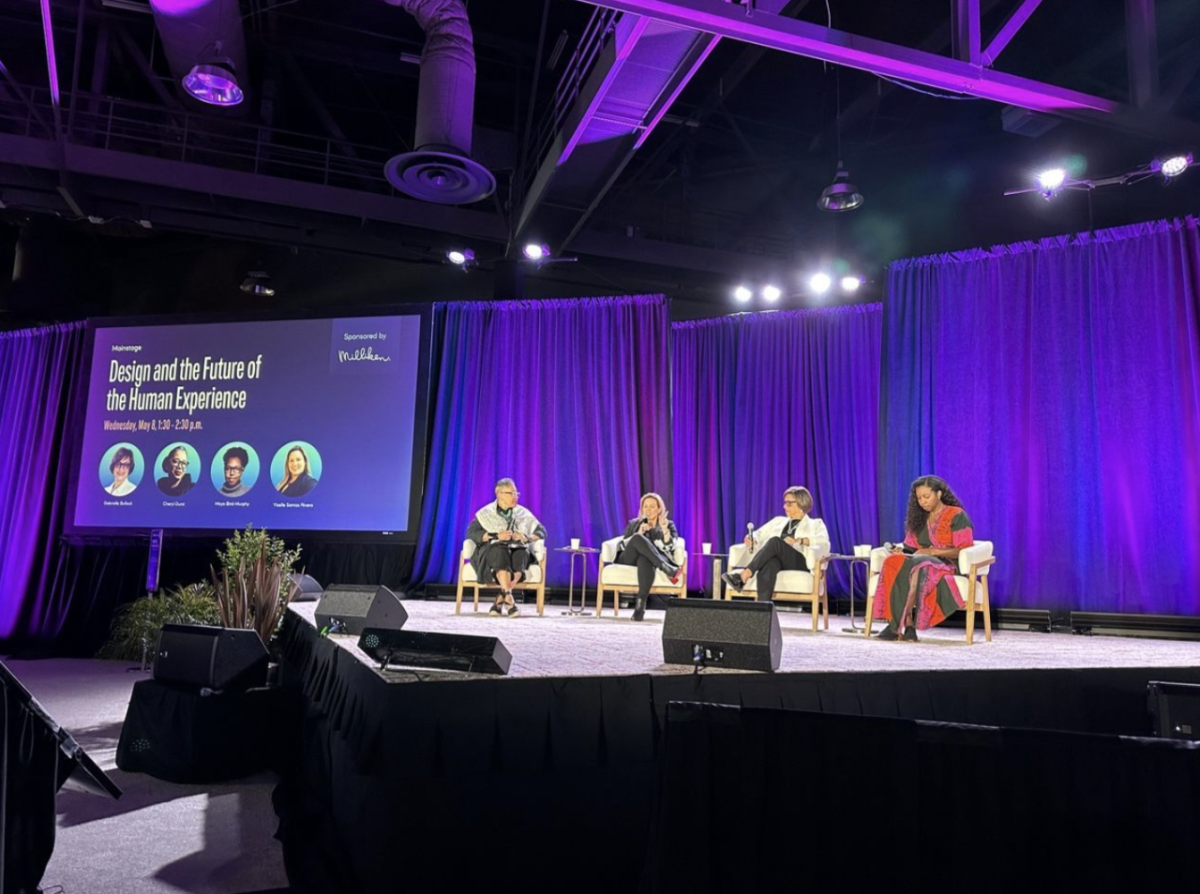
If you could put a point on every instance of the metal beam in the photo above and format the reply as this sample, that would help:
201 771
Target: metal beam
1142 47
855 51
1009 30
94 162
964 19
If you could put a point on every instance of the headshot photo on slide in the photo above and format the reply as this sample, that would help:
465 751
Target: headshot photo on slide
296 469
121 469
235 469
176 468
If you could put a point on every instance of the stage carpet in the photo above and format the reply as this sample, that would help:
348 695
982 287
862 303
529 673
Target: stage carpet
557 646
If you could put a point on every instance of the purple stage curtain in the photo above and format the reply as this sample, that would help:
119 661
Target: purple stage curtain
1056 386
570 398
764 401
39 371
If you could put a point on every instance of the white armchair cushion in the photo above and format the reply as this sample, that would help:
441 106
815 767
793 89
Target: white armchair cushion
977 552
608 550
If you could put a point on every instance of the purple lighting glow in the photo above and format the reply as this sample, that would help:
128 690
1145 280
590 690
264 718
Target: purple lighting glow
535 251
214 82
1174 166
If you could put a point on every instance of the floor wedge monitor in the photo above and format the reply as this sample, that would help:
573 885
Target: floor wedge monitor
716 633
443 651
210 657
351 609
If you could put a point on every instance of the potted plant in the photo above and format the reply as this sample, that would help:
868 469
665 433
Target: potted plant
253 588
136 625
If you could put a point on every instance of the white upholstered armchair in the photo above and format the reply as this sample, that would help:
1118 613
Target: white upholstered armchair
622 579
790 586
535 576
974 563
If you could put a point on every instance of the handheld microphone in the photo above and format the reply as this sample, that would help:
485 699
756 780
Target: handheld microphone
750 534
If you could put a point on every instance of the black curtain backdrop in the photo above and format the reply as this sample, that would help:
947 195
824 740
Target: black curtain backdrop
94 579
753 800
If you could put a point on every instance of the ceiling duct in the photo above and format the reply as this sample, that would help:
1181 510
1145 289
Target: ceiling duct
202 34
440 169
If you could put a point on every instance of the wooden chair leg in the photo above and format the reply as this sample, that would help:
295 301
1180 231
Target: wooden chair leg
971 610
870 611
458 598
987 610
825 607
541 598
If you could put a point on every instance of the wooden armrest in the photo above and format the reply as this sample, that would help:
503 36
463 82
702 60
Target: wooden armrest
990 560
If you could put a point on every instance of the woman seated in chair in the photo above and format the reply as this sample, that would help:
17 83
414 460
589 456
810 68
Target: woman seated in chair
649 543
502 532
917 589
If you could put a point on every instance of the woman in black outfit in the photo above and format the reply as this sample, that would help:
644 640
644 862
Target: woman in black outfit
649 543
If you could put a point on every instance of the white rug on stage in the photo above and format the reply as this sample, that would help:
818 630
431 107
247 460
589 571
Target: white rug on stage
554 645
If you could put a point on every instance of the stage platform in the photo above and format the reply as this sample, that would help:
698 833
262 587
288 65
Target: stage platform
586 646
553 777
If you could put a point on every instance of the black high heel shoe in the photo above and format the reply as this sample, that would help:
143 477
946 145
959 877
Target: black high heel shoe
639 610
888 634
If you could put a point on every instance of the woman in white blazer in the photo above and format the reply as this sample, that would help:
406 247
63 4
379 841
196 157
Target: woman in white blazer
779 545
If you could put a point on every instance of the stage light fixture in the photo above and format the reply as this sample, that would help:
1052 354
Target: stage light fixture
258 282
743 294
536 251
1172 167
841 195
1050 182
820 283
850 283
213 81
461 257
771 293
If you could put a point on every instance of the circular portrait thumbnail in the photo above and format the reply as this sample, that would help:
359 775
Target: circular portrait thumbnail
235 469
296 469
121 469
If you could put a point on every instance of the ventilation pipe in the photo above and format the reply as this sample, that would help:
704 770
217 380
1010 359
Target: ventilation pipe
205 33
440 169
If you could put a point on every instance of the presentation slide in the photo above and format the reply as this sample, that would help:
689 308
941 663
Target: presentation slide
297 425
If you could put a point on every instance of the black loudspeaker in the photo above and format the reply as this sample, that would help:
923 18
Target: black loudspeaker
308 590
1174 709
445 651
210 657
351 609
716 633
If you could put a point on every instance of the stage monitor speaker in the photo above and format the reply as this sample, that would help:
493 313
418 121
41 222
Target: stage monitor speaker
716 633
1174 709
210 657
351 609
444 651
308 590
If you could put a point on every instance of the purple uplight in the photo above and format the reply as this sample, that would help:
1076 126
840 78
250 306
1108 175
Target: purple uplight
214 82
